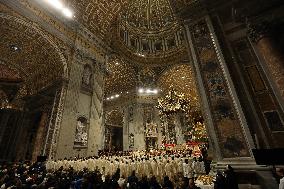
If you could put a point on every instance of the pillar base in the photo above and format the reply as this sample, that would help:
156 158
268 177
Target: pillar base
249 173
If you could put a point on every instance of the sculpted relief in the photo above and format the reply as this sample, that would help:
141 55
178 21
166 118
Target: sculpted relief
81 135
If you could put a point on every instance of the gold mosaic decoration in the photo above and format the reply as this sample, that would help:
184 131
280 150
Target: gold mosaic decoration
148 33
121 78
180 78
96 15
29 52
148 16
114 118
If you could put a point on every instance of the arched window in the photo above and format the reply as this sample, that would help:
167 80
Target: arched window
81 134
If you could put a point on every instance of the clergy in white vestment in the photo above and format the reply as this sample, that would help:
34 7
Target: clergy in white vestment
187 170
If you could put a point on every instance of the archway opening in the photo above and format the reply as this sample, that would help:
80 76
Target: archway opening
31 73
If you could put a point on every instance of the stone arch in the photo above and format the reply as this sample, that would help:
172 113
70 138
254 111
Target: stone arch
36 28
114 117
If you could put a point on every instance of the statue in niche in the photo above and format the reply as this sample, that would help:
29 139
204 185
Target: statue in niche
130 113
87 76
151 130
81 135
131 140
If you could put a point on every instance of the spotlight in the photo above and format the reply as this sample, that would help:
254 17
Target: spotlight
15 48
139 54
56 4
155 91
141 90
148 91
107 98
112 97
117 95
67 12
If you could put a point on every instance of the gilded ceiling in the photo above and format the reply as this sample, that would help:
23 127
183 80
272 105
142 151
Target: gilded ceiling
96 15
147 32
121 78
148 16
114 118
182 79
27 50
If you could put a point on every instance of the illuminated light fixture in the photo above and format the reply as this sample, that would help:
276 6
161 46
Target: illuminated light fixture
155 91
139 54
116 63
127 92
113 97
141 90
56 4
148 91
15 48
67 12
183 77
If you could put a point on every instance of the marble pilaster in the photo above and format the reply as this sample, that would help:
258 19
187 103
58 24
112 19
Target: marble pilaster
224 118
260 35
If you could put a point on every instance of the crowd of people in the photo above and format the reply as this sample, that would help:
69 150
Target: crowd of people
25 175
139 169
112 171
143 165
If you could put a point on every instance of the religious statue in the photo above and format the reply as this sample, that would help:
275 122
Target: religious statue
151 130
81 136
131 140
87 76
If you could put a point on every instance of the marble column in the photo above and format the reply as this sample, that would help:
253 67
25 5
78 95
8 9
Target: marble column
126 128
273 58
139 136
39 138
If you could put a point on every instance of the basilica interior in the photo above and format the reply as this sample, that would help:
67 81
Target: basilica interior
82 76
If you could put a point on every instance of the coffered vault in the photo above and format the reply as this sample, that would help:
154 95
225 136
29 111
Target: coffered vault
32 52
